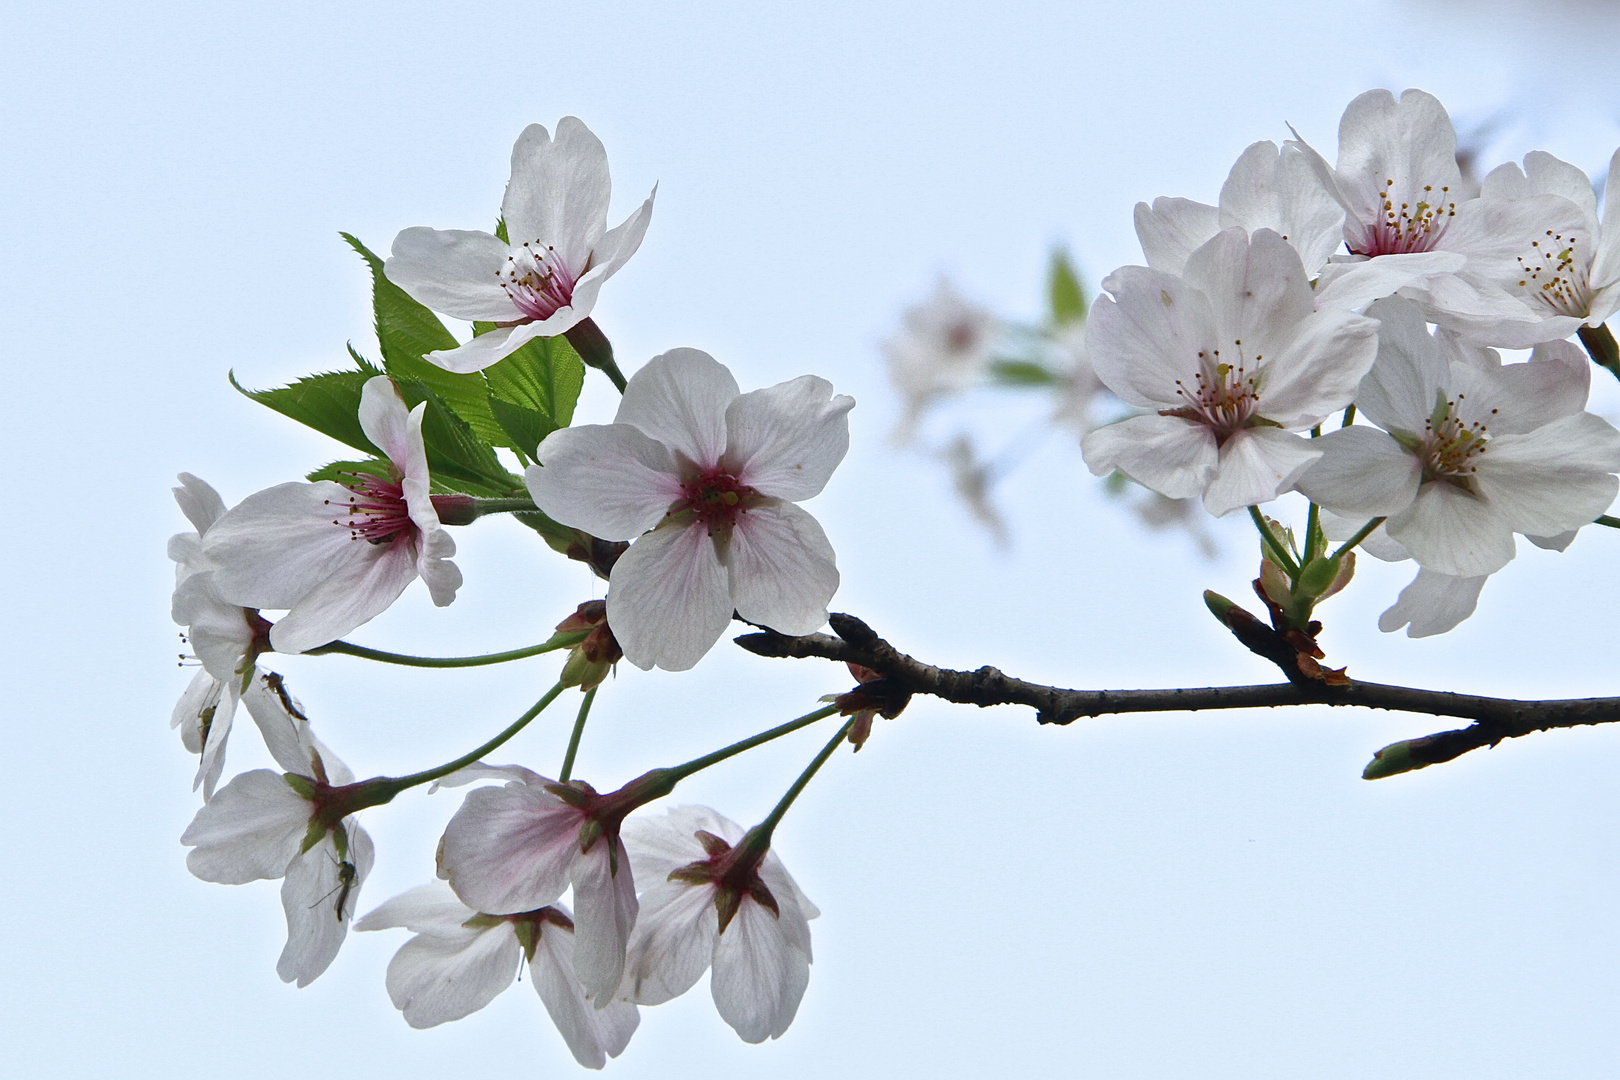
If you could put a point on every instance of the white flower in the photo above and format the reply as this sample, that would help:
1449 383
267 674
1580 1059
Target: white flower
714 474
943 349
1231 356
265 825
516 848
337 556
226 637
546 279
1079 391
1469 454
460 959
1433 603
747 918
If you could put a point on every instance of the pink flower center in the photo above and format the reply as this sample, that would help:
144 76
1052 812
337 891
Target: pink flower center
717 498
1450 448
1399 228
1221 395
1553 275
375 510
537 281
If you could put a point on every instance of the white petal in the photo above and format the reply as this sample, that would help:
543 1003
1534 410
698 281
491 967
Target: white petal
430 908
446 975
604 912
559 191
497 344
1515 399
592 1034
319 903
1320 370
1258 292
1362 473
217 631
277 544
781 568
286 734
1410 142
1399 393
612 480
433 545
668 598
199 502
665 842
386 421
680 398
1256 465
759 976
357 591
1172 229
1148 340
1351 286
455 271
1606 265
1433 604
673 942
786 440
1168 454
1448 530
249 831
1559 542
1278 190
509 849
1555 478
621 242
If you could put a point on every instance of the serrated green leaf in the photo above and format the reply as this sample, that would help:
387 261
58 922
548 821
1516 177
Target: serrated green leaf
524 426
545 375
1064 290
500 231
1021 373
457 458
338 470
328 402
407 332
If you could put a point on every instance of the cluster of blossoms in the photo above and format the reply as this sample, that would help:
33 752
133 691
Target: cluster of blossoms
1379 288
686 504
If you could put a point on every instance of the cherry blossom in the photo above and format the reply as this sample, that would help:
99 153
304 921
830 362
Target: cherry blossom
1231 357
460 959
1469 453
714 475
265 825
944 348
546 279
334 555
515 848
709 903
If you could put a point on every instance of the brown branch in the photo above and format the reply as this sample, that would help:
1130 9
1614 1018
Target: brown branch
1494 719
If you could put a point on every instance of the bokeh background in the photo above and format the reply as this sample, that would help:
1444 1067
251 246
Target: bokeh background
1213 895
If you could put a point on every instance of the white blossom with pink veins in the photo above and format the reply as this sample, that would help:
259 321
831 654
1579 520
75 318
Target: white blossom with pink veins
1231 357
760 955
460 959
263 825
546 279
1469 453
516 848
336 556
714 475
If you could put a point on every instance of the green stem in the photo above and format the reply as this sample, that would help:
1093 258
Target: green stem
1361 534
1311 529
1269 539
1613 523
560 641
573 740
399 783
504 506
1349 416
761 833
681 772
1601 347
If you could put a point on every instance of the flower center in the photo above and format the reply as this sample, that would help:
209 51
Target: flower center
375 510
1399 228
1222 395
536 280
1554 276
717 498
1449 447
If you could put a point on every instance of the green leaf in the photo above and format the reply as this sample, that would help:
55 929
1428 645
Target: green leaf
526 427
339 470
500 231
328 402
545 375
1021 373
407 332
1067 295
457 458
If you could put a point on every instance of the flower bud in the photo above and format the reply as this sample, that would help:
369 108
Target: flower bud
589 661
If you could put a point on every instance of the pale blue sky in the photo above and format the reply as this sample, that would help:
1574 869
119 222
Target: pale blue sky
1152 896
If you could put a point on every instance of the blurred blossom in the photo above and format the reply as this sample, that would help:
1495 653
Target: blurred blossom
943 348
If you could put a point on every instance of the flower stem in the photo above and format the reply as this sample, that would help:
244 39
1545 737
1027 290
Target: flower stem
573 740
1601 347
400 783
1311 529
1274 545
1349 416
504 506
559 641
761 834
1361 534
1605 519
681 772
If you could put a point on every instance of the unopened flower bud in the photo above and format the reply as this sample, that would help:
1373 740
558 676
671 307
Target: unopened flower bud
590 661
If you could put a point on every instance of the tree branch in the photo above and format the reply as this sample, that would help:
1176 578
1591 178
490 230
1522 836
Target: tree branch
1494 719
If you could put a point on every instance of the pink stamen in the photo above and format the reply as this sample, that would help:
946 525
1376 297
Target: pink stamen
376 510
1407 227
1223 396
537 281
717 498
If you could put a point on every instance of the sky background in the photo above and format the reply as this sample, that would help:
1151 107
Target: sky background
1213 895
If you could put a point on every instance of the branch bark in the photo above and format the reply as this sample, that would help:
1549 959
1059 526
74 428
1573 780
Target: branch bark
1494 719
